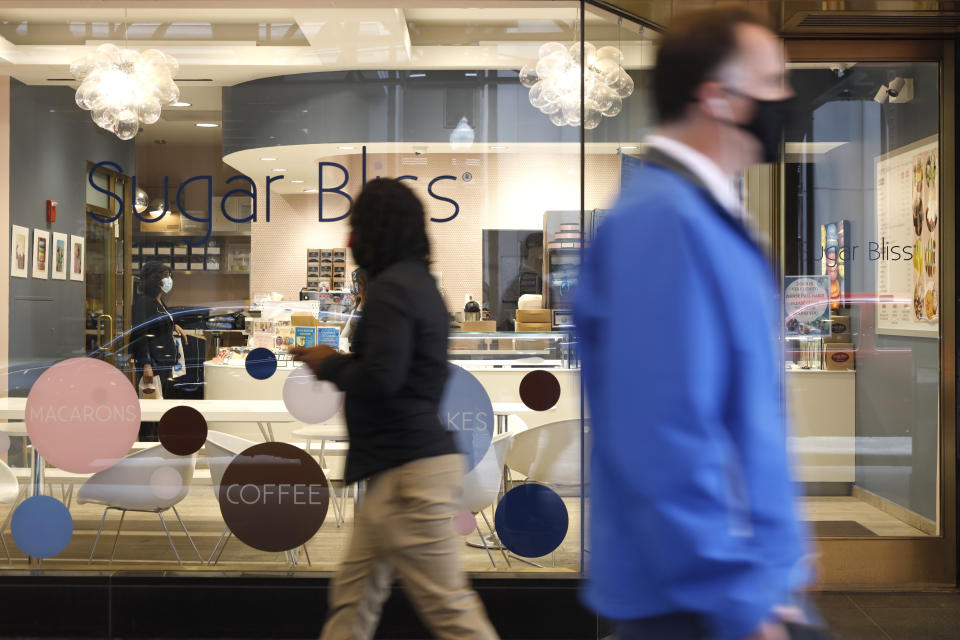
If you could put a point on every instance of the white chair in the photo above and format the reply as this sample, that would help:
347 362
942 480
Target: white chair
322 432
128 486
481 486
221 448
548 453
9 494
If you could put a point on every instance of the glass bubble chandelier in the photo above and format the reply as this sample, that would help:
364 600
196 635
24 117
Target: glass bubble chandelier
122 88
554 83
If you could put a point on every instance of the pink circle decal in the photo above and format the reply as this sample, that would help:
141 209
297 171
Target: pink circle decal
465 523
166 483
82 415
310 400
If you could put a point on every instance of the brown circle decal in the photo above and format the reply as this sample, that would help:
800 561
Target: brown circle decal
182 430
540 390
274 496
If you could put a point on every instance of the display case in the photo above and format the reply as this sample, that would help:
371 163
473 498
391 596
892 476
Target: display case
513 350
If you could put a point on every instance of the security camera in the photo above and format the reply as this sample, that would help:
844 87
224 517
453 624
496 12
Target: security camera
899 90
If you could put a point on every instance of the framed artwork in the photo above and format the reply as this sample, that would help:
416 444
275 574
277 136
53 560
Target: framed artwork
77 258
41 253
60 250
19 251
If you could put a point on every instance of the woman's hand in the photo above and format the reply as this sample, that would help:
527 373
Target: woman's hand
312 356
147 373
181 332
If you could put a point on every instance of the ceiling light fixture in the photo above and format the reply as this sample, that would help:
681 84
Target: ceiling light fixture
310 190
279 170
417 75
297 181
629 146
346 148
207 124
181 103
554 83
122 88
268 159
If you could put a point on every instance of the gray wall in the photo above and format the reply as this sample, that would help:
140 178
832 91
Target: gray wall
897 377
390 106
51 142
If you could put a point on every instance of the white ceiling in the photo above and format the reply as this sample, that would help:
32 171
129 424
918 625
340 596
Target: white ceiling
224 43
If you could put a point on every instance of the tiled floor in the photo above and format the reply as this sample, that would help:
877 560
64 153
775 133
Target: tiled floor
932 615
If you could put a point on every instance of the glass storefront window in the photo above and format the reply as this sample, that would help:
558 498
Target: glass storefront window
242 191
861 229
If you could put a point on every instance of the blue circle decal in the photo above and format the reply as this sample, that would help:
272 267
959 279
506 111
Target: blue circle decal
466 410
531 520
261 363
41 526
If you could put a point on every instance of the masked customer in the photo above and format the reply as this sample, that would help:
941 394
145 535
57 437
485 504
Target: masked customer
694 534
152 337
393 382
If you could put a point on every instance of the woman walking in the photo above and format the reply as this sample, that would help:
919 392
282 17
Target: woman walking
393 382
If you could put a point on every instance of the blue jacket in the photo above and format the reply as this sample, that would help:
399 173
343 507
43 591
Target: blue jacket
691 502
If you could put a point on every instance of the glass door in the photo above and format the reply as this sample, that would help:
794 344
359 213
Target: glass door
107 276
864 241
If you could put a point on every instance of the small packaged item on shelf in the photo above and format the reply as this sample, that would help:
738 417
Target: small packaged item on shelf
541 316
839 356
213 263
534 327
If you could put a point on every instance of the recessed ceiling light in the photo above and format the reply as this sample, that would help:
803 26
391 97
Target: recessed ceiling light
182 104
498 146
268 159
207 125
310 190
279 170
417 75
471 74
346 148
297 181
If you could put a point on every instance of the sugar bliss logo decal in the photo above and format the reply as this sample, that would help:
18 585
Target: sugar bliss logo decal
250 191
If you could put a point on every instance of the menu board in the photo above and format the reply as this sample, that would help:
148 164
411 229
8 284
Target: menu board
908 234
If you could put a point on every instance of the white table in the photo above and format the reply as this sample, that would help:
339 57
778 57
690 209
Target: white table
263 412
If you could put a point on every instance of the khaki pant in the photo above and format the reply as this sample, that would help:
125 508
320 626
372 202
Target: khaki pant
405 525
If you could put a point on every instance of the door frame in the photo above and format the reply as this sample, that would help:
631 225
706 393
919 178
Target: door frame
891 561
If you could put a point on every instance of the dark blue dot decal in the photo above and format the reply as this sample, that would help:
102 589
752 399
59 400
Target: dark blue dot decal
261 363
532 520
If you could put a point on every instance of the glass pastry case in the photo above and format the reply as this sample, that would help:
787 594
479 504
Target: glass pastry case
513 350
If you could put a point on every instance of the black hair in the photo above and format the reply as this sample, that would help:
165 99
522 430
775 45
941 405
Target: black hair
691 51
150 275
388 226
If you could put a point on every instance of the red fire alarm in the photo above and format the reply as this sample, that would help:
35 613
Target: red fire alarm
51 210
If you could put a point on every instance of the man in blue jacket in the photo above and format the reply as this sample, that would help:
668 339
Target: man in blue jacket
693 526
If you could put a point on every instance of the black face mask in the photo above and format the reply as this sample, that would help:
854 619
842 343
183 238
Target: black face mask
770 119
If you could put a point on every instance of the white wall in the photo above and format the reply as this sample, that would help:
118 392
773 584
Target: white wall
506 191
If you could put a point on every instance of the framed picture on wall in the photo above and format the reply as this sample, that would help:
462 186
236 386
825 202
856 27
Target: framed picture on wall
19 251
77 258
59 251
41 253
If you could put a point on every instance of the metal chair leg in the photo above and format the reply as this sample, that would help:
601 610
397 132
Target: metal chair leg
170 538
486 547
217 546
97 539
293 558
116 539
177 513
220 555
494 536
307 555
5 549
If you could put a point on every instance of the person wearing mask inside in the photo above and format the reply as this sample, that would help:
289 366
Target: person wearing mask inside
695 533
393 382
152 342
